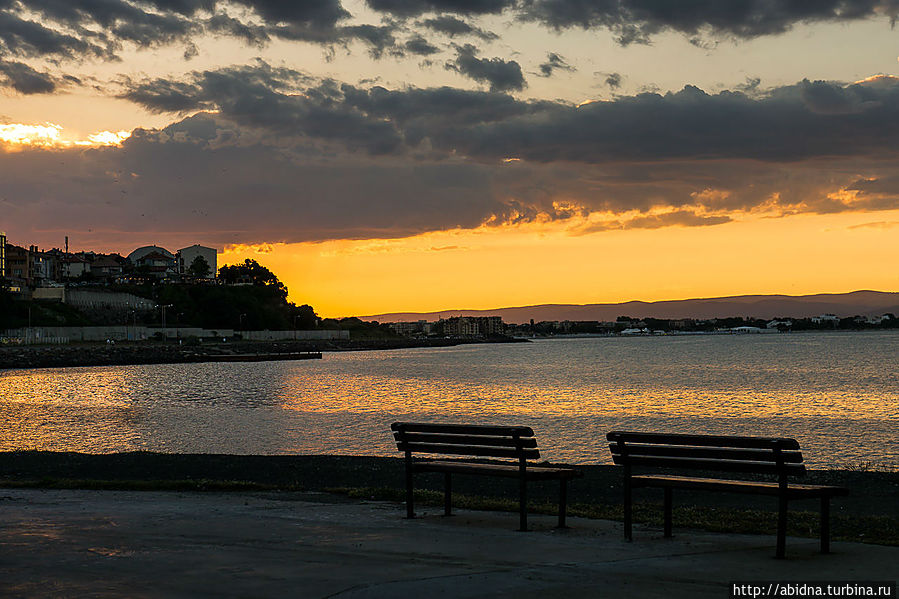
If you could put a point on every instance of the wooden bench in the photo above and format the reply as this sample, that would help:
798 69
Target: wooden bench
778 457
517 443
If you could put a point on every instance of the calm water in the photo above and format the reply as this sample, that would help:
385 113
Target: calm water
837 393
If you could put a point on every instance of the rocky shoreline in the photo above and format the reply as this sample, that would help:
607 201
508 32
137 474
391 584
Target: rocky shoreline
58 356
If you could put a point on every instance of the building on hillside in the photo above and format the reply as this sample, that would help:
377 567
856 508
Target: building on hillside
74 267
18 265
155 264
2 254
41 267
472 326
186 257
108 266
411 329
142 251
491 326
153 261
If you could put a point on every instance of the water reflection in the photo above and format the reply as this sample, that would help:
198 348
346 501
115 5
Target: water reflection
836 392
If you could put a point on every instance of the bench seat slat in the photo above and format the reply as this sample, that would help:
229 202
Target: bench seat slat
704 440
794 491
727 453
709 464
508 470
475 450
482 440
462 429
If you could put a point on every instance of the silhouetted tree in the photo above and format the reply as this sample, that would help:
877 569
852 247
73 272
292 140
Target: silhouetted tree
304 317
199 268
251 272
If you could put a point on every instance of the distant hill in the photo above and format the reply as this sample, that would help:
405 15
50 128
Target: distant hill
865 303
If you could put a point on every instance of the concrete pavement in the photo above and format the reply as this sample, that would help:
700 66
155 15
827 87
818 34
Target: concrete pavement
169 544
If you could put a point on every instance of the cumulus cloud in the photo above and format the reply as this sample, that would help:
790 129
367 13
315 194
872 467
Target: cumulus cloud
500 74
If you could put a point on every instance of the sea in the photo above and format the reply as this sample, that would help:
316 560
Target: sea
836 392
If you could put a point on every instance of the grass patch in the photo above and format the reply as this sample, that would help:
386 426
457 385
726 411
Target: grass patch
880 530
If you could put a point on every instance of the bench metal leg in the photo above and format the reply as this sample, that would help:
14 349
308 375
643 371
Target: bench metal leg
563 501
628 515
410 508
523 504
447 494
781 527
825 524
667 511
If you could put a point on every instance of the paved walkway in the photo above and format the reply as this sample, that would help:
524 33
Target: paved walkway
167 544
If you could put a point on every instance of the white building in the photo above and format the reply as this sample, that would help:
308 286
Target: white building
186 257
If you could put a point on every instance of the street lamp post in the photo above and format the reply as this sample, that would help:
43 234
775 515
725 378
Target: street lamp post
164 306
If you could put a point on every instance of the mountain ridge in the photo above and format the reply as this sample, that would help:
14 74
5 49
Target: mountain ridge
862 302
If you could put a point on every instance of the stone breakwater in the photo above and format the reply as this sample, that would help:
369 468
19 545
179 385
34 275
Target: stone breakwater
58 356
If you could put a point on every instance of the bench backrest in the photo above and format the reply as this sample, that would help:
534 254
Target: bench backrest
758 455
459 439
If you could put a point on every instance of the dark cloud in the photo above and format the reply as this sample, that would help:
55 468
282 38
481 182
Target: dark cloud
290 157
118 21
678 218
379 38
77 29
638 20
420 46
25 79
453 26
501 75
224 184
25 38
693 124
554 62
251 34
234 194
791 123
413 8
612 80
313 13
826 98
259 96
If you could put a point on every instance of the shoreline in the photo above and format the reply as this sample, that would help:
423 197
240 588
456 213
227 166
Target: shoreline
128 354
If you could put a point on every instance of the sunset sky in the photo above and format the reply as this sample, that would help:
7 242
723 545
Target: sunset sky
419 155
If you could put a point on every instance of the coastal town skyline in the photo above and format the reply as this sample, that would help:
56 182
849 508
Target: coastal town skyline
410 156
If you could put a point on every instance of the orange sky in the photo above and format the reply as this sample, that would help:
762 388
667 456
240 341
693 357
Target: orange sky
535 264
